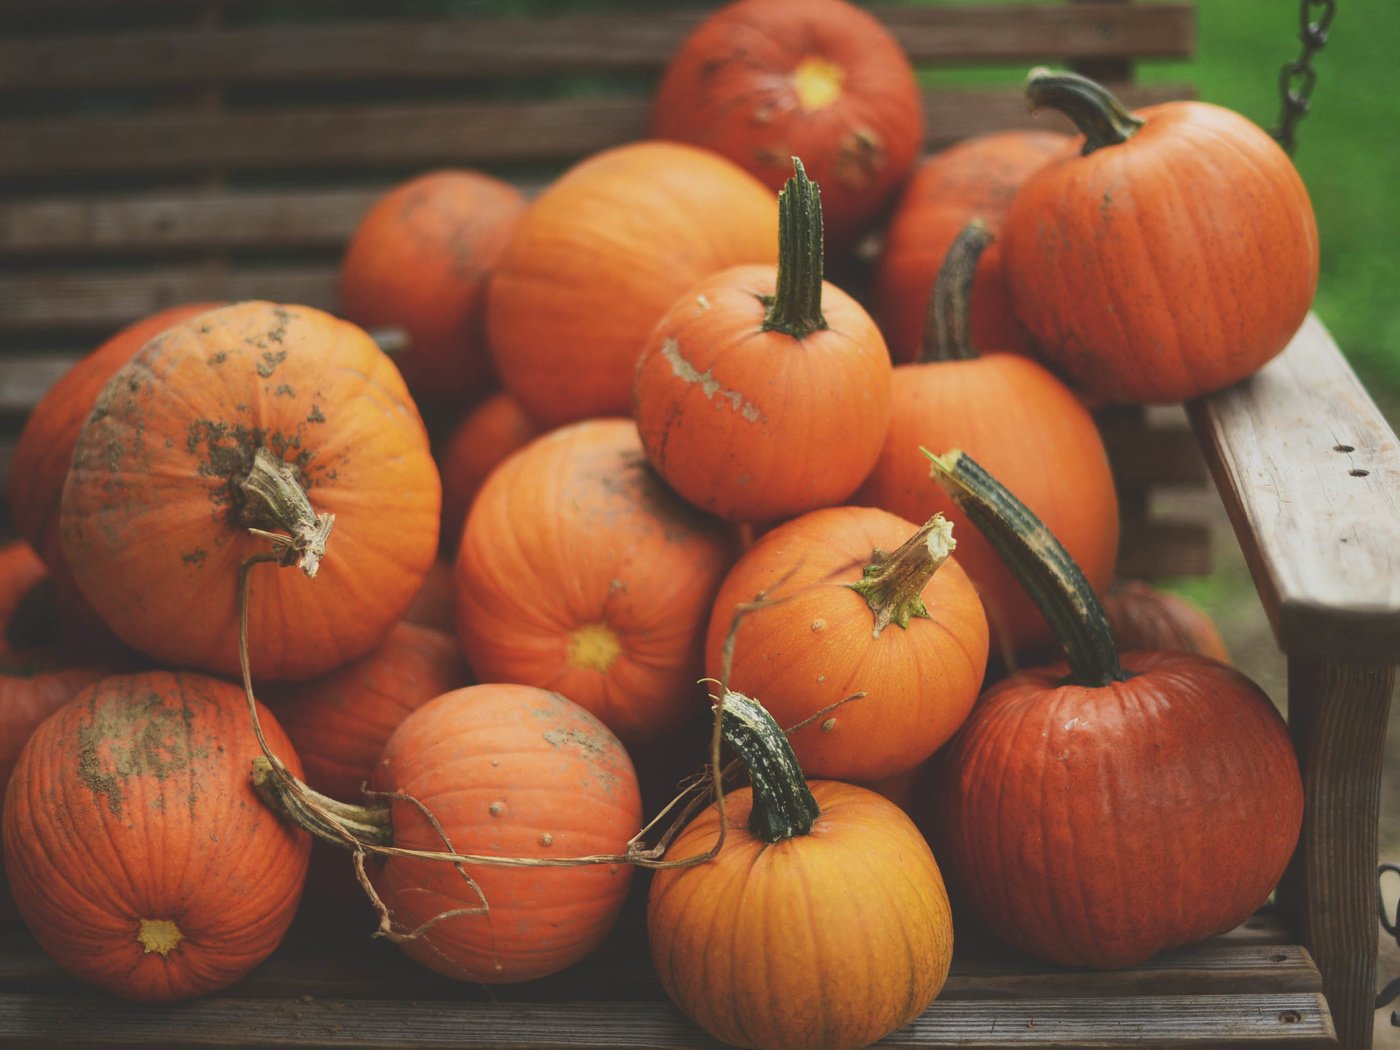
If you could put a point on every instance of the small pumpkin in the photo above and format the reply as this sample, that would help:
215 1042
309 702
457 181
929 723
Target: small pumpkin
1165 253
139 856
856 602
228 420
1068 782
761 80
599 256
972 179
1147 617
487 434
580 571
822 921
764 392
419 260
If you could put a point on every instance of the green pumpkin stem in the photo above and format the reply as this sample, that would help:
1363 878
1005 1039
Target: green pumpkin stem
1040 562
948 331
796 308
272 499
892 584
1100 117
783 806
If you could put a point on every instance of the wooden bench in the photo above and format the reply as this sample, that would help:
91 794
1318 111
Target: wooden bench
159 151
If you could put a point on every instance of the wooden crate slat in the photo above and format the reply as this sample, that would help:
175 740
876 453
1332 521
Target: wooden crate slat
473 133
1309 472
183 221
447 48
1163 547
1143 456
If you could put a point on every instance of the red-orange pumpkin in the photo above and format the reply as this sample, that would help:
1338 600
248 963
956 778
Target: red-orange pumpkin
599 256
138 853
166 479
1021 422
860 602
761 81
580 571
1147 617
974 179
419 260
763 392
1165 254
486 435
1069 782
435 605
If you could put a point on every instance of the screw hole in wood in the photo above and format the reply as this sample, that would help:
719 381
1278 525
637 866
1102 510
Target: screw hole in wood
1357 472
1343 448
1290 1017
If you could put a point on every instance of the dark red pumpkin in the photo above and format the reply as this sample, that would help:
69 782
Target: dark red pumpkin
761 81
1147 617
1070 784
1166 253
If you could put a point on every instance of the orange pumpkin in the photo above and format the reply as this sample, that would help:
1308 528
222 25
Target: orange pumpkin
580 571
973 179
1166 253
138 854
599 256
763 392
859 601
486 435
419 260
760 81
188 443
1147 617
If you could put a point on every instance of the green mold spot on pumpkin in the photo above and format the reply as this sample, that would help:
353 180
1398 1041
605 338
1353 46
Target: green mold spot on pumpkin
133 736
270 361
315 415
194 557
283 390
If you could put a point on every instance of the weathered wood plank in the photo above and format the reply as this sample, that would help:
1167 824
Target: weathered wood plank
444 48
1309 472
1142 456
473 133
1163 547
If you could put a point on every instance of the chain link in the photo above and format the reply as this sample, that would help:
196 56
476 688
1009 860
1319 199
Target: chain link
1298 78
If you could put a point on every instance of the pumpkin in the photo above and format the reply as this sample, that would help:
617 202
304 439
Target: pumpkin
1147 617
1164 254
419 260
763 393
435 605
859 602
972 179
138 854
486 435
822 922
21 571
44 450
760 81
580 571
599 256
230 420
1019 420
1070 784
503 771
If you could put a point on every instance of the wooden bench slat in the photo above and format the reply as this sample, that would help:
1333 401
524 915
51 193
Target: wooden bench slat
1309 472
1163 547
446 48
471 133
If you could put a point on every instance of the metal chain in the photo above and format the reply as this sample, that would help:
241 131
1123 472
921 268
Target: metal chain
1392 927
1297 78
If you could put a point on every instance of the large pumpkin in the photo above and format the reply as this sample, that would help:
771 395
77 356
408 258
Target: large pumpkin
761 81
1069 782
185 443
598 258
580 571
138 853
1166 253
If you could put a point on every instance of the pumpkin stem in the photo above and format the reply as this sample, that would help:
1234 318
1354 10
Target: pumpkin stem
783 806
892 584
306 808
273 499
796 308
1040 562
948 333
1100 117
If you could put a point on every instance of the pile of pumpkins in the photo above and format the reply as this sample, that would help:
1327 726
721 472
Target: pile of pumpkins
680 489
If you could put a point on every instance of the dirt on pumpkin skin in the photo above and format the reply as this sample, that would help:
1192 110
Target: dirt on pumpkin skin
135 736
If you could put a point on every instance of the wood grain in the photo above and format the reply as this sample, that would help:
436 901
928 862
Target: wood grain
1156 548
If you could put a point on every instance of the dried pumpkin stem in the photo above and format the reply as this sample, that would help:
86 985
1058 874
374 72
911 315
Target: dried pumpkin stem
1040 562
948 333
273 499
783 806
893 584
796 307
1100 117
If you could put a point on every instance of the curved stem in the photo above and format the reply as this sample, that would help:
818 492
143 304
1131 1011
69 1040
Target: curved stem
1040 562
272 499
783 806
892 584
796 308
1103 120
948 331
